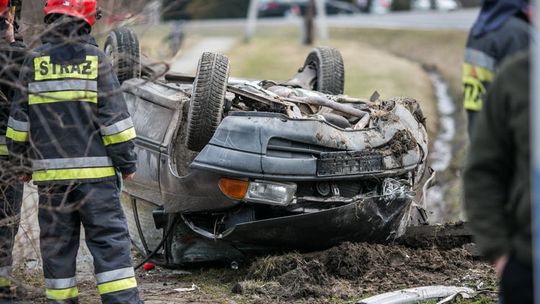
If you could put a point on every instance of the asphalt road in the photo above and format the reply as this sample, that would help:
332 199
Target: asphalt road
456 20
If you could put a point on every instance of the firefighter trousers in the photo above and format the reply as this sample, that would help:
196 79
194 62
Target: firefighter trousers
11 192
97 206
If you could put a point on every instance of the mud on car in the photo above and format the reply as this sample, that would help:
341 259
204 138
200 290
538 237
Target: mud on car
230 167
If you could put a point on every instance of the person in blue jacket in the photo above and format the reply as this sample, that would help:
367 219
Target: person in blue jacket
501 30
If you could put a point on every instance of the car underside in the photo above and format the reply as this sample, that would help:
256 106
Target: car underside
230 167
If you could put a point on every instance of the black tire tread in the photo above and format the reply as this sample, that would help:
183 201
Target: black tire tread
206 106
127 52
330 70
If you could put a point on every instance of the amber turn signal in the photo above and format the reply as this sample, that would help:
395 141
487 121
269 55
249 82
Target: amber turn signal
234 188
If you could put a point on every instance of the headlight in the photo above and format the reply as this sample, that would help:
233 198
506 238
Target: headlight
265 192
270 193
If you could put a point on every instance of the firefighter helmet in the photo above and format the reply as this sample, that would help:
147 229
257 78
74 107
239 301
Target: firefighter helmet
4 8
82 9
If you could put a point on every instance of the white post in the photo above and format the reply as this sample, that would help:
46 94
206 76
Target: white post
322 24
251 23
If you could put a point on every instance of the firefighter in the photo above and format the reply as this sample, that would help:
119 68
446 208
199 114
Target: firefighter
498 181
72 122
11 56
501 30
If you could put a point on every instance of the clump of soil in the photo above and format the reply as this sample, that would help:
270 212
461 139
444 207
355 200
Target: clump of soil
444 237
351 270
291 274
402 142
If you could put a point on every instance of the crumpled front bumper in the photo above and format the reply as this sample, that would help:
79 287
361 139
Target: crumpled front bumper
372 219
367 220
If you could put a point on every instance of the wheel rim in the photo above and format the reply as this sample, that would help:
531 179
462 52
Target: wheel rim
110 54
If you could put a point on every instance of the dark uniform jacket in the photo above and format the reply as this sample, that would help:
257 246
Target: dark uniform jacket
485 53
71 120
497 174
11 59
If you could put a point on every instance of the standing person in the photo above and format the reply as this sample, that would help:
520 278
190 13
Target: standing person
176 37
73 121
11 56
497 181
501 30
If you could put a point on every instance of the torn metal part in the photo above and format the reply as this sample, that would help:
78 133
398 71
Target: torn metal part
363 122
314 98
414 295
375 96
325 102
348 99
187 289
393 188
425 187
303 79
452 298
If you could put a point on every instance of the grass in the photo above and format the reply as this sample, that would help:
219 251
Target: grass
441 49
477 300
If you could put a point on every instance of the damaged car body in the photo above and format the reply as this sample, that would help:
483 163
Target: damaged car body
230 167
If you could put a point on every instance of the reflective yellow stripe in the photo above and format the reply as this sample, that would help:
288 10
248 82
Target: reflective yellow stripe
46 70
62 294
51 97
119 137
3 150
473 93
475 79
16 135
5 282
67 174
115 286
477 72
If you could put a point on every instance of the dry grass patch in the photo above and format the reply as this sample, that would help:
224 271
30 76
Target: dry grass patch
442 49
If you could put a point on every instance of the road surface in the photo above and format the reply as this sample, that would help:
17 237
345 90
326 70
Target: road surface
187 60
456 20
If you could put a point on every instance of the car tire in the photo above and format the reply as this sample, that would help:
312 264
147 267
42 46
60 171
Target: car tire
123 49
328 63
207 100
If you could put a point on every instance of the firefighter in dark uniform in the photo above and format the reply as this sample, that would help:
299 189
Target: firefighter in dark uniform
501 30
497 181
12 51
73 123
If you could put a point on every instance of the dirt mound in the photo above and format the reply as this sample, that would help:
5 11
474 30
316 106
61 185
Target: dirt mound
351 270
448 236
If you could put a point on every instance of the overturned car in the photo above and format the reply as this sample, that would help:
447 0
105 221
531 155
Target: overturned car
230 167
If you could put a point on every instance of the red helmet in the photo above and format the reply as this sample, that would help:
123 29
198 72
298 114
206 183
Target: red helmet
82 9
4 7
